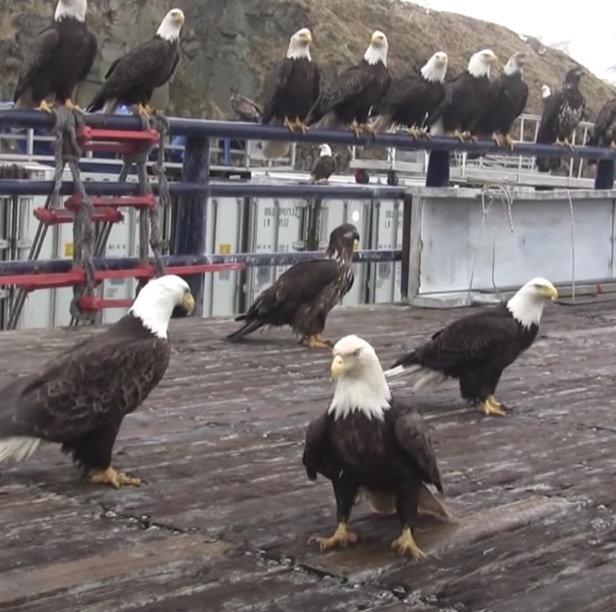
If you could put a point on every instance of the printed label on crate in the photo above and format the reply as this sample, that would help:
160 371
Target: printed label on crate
68 249
224 249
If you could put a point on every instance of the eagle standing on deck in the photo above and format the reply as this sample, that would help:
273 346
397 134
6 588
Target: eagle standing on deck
466 97
57 60
291 89
604 130
477 348
369 441
132 78
351 95
324 165
305 293
80 399
508 96
562 112
411 98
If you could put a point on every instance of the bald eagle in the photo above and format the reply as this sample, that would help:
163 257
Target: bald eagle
562 112
478 347
80 398
368 441
305 293
347 101
604 130
466 97
245 108
411 98
507 100
132 78
57 60
291 89
324 165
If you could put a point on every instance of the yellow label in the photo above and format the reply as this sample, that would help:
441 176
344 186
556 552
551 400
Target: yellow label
356 245
68 249
224 249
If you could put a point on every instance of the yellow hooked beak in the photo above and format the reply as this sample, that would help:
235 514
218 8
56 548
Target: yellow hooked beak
356 245
178 16
188 302
337 367
550 292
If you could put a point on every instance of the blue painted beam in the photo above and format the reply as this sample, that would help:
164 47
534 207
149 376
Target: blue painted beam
233 189
190 227
205 128
53 266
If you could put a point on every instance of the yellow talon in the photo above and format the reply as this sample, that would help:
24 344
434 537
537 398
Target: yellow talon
342 537
492 407
114 478
405 545
458 134
496 139
300 125
71 106
45 107
412 132
355 129
316 341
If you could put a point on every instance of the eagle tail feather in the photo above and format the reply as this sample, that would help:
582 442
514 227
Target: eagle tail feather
248 327
429 378
18 448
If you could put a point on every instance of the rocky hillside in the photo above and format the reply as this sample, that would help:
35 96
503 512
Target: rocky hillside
234 42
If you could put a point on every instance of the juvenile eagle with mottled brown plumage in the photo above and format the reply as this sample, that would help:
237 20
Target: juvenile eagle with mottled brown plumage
80 399
368 441
304 294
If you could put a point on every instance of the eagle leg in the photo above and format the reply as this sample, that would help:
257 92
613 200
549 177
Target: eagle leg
45 106
71 106
114 478
492 407
144 111
423 133
316 341
342 537
405 545
496 138
458 134
300 125
510 142
366 128
354 127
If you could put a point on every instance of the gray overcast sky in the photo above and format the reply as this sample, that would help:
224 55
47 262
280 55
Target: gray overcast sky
593 39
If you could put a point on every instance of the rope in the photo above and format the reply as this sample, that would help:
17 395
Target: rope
489 194
572 222
68 152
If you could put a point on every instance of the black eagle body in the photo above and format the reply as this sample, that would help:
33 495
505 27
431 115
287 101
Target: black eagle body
291 89
477 348
369 442
132 78
81 398
562 112
411 98
56 62
604 130
303 295
352 94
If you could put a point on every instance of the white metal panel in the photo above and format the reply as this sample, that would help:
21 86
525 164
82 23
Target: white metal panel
454 241
387 232
221 288
276 228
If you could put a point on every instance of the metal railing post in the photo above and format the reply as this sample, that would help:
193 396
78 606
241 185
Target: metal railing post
190 229
438 169
604 179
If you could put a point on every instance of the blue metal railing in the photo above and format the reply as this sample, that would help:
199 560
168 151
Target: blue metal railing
196 187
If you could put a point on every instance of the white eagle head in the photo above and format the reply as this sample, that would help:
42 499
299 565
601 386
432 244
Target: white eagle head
171 25
527 304
480 63
515 63
325 150
155 303
360 382
545 91
377 51
75 9
435 68
299 45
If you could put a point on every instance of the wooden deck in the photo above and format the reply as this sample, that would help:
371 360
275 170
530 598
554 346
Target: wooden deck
224 519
